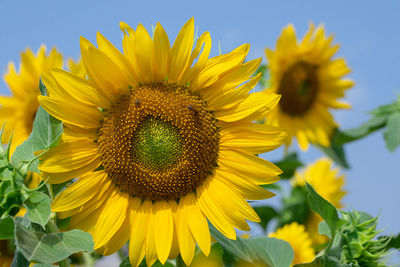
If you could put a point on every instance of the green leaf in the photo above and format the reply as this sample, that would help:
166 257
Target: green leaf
43 265
46 134
372 125
50 248
6 228
323 229
392 132
236 247
272 251
38 208
323 261
325 209
289 165
387 109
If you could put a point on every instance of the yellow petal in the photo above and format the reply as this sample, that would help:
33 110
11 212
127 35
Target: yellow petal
118 240
151 249
229 98
245 188
138 233
197 222
233 206
116 56
185 237
254 138
287 40
218 65
80 89
159 65
175 243
103 71
250 108
80 115
249 166
111 219
180 52
143 52
164 229
68 156
77 194
213 212
204 40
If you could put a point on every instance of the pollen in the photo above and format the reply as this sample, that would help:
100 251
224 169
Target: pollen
299 88
159 142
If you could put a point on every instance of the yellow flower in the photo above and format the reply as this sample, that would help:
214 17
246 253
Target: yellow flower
328 183
162 140
298 239
310 82
19 110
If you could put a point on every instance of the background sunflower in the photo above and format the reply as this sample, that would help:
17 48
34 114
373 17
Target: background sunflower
310 81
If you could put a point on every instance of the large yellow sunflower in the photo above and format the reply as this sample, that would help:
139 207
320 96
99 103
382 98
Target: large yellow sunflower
19 110
310 82
162 140
298 239
328 183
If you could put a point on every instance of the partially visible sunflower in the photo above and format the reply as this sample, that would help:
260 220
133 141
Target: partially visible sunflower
300 241
328 183
310 82
162 139
19 110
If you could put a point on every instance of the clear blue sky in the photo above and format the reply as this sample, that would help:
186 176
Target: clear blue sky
368 32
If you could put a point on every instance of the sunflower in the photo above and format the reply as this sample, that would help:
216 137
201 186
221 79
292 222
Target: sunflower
298 239
162 139
19 110
328 183
310 82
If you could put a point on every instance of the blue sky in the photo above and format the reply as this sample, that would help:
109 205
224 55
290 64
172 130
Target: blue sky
367 31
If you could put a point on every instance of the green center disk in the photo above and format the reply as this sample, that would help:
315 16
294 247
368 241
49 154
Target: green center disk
157 144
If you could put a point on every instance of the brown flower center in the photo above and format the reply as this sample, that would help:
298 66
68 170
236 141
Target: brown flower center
299 88
159 142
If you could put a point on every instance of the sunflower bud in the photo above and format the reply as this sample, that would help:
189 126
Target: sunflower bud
358 244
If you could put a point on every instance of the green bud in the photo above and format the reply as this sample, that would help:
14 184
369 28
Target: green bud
359 247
